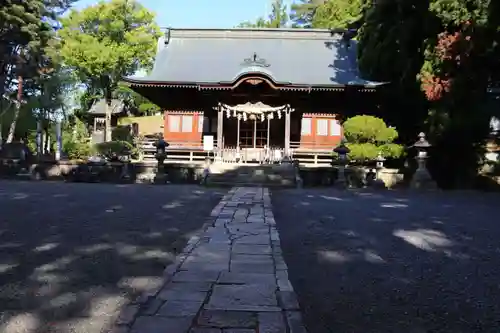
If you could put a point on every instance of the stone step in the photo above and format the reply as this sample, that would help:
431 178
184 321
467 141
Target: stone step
289 184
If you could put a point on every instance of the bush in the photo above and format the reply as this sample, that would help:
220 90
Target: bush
392 150
122 133
77 150
362 151
114 148
367 136
368 129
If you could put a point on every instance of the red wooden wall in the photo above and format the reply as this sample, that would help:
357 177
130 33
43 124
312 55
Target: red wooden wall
317 140
174 133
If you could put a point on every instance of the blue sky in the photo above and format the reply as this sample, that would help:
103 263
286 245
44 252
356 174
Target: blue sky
202 13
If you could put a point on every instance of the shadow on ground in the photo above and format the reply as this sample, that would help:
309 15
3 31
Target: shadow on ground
72 255
366 262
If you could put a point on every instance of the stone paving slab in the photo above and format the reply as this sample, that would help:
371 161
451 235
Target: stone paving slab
230 279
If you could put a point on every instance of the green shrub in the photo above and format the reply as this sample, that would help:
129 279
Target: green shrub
122 133
77 150
111 148
392 150
362 151
368 129
367 136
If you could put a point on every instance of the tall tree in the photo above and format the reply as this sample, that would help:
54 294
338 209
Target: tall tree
279 15
338 14
446 49
391 49
302 12
26 27
139 104
278 18
104 42
455 77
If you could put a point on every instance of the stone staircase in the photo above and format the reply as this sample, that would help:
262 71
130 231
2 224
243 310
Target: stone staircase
273 175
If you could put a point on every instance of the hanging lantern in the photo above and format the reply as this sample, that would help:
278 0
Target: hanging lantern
228 114
234 113
262 117
279 114
238 116
244 117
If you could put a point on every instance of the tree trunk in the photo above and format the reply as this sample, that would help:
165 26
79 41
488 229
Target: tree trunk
17 111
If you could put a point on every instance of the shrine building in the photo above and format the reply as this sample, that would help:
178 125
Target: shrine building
252 89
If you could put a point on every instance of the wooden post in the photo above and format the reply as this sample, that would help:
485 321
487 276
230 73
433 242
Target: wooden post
107 120
255 133
238 134
287 132
220 124
268 131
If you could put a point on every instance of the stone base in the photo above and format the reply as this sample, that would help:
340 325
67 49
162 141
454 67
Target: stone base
390 177
422 180
342 182
160 179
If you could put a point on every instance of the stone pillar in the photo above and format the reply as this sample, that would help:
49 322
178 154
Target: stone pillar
58 140
220 124
39 138
287 132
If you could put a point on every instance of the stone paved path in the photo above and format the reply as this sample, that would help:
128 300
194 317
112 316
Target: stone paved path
231 279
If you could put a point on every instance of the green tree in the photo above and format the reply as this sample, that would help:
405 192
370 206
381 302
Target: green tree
104 42
455 77
303 11
440 57
135 101
259 23
338 14
391 49
26 29
278 18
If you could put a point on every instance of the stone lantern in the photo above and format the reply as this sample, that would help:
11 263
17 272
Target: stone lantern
422 178
161 155
379 161
342 150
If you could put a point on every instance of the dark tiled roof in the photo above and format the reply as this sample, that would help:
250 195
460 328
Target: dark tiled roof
98 108
293 57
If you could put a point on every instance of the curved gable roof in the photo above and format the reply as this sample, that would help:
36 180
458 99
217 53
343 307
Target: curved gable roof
289 57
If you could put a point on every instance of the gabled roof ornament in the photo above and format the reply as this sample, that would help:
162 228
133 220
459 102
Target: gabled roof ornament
254 60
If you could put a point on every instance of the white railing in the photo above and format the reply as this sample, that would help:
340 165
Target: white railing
252 155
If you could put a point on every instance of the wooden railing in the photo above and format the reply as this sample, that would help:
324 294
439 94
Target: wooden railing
318 154
181 151
192 151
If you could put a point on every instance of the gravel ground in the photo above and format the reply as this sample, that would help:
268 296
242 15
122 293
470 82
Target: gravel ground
375 262
71 255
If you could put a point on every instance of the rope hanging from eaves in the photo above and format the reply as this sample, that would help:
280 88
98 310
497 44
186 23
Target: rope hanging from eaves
253 111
